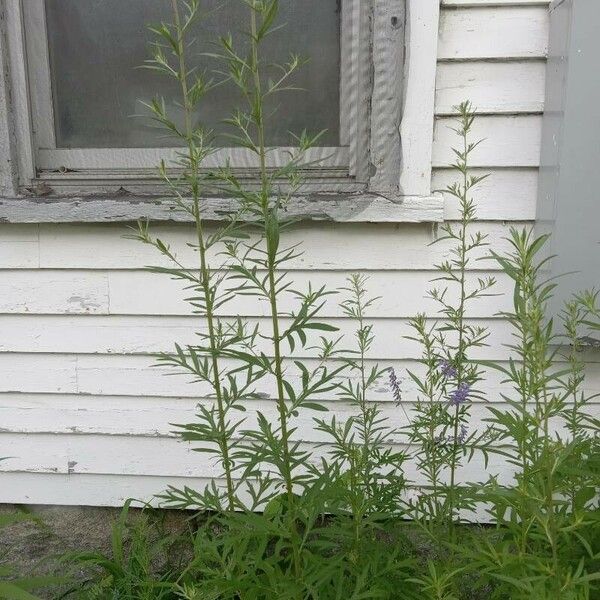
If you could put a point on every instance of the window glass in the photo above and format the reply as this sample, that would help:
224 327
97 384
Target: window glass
95 47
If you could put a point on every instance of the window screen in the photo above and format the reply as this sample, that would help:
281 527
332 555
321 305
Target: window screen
97 46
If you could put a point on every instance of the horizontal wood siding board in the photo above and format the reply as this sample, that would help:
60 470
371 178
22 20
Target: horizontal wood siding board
102 490
161 457
148 336
507 194
142 293
152 408
146 417
135 376
87 490
54 292
98 490
507 141
42 373
324 248
19 246
493 32
127 455
492 88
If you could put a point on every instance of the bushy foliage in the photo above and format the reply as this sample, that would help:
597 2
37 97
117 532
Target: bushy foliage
145 562
374 510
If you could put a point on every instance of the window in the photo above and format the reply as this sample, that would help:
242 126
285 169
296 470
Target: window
85 80
75 90
95 50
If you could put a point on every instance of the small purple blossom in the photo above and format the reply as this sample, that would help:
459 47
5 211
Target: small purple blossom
448 370
449 439
395 386
460 394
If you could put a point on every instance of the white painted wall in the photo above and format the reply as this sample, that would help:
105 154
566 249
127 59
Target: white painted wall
82 411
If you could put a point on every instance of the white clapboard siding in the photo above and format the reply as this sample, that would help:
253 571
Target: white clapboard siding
507 194
38 373
19 247
88 490
157 457
507 141
325 246
135 292
83 409
136 376
157 417
151 335
99 490
54 292
491 87
493 32
62 292
126 376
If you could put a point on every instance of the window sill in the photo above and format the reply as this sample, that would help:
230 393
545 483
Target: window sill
343 208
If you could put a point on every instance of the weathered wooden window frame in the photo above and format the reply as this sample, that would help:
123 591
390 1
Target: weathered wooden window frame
118 163
382 171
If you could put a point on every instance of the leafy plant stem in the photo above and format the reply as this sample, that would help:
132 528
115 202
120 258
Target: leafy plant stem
460 328
205 274
270 216
549 480
365 421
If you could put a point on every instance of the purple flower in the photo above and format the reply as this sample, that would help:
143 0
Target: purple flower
395 386
460 394
461 438
448 369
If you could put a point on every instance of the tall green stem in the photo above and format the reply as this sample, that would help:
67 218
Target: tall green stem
268 216
205 273
552 532
272 288
364 475
460 355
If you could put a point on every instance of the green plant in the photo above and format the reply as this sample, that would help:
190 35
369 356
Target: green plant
364 469
215 427
286 520
263 467
437 586
548 522
139 566
439 427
